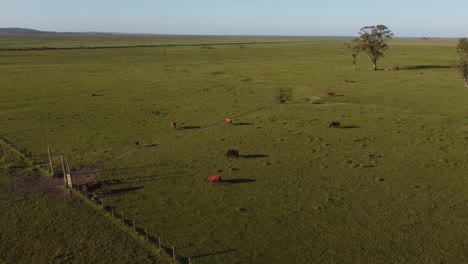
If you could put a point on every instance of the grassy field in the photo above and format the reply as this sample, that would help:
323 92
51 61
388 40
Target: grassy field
387 187
41 223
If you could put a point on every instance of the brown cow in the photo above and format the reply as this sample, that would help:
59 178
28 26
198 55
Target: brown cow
91 187
228 121
173 125
330 93
212 178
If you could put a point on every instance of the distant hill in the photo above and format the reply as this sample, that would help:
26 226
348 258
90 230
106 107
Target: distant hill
23 31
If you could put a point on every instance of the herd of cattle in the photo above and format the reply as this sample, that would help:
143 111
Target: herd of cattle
212 178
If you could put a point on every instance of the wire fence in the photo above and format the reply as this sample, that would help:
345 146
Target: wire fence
128 222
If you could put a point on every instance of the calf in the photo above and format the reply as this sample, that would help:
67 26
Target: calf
335 124
232 153
173 125
330 93
214 178
228 121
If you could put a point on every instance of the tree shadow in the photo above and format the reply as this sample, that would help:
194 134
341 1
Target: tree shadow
422 67
122 191
349 127
190 127
243 124
253 156
237 181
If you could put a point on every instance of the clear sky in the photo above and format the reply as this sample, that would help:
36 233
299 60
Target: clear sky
406 18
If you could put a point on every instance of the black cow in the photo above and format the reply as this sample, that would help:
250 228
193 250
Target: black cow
335 124
232 153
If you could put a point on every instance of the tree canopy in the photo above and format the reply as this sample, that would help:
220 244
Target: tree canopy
372 42
462 51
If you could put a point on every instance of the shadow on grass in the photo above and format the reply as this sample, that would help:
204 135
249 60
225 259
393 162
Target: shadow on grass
151 145
253 156
243 124
191 127
422 67
237 181
214 253
123 191
349 127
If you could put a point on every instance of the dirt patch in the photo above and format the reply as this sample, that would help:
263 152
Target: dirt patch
41 185
84 175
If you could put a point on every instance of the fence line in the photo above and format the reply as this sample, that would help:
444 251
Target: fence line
131 224
97 202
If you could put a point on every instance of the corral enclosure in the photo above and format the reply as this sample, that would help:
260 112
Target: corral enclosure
388 186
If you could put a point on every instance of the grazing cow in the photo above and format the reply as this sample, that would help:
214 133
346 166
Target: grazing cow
212 178
335 124
137 144
173 125
330 93
228 121
91 187
232 153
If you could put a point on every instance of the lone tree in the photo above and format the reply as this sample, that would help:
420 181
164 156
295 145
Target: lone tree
371 42
462 51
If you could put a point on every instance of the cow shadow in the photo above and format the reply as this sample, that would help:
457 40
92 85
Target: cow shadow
243 124
111 182
121 191
349 127
237 181
253 156
190 127
151 145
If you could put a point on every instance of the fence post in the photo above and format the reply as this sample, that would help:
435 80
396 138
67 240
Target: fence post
134 229
159 240
64 173
173 252
50 162
189 260
112 210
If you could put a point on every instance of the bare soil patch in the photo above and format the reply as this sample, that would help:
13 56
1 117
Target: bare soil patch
41 185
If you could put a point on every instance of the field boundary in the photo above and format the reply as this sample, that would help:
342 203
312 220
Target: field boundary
154 46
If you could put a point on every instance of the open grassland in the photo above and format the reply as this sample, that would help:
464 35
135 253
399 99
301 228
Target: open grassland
389 186
41 223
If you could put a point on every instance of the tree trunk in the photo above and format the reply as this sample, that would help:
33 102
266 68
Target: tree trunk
375 64
466 81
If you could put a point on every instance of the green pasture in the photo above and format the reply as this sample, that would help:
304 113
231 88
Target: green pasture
45 225
387 187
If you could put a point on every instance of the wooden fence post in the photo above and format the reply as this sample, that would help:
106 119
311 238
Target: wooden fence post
112 210
173 252
64 173
134 229
50 162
